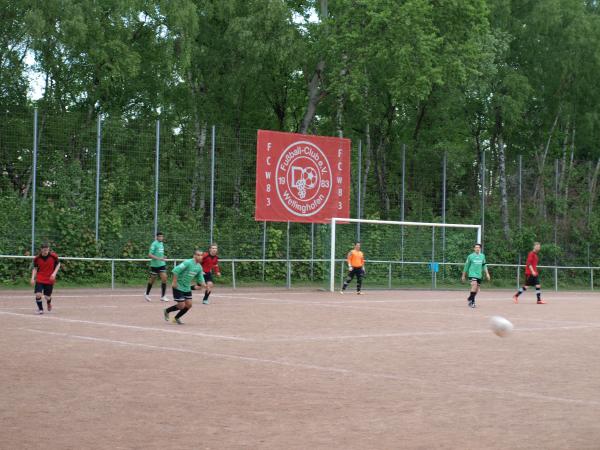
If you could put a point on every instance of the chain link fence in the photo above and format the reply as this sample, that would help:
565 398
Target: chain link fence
100 187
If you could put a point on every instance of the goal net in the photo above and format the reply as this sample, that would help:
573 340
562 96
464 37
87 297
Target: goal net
400 254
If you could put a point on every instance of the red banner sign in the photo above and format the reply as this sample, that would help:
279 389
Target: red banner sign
301 178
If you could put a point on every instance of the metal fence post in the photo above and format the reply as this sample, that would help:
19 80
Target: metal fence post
433 274
34 178
112 274
444 181
287 256
98 149
233 273
212 181
592 278
358 209
390 276
156 175
555 278
312 252
520 214
402 210
264 248
482 195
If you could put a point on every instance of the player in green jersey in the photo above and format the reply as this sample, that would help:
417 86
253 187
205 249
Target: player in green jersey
158 267
475 267
187 277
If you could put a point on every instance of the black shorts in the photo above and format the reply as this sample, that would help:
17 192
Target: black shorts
476 279
158 270
532 280
181 296
45 288
208 277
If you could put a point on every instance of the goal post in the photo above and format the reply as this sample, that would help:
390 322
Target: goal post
338 220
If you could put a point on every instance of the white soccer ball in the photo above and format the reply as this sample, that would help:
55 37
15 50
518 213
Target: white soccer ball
500 326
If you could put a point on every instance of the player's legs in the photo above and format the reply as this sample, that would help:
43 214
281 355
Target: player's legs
183 302
473 292
163 284
207 292
48 295
348 279
151 278
187 305
519 292
359 279
538 294
209 285
37 290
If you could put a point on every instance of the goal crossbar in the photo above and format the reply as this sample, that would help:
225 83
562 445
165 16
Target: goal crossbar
334 220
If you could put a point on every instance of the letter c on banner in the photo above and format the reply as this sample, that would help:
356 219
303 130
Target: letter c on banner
340 166
268 160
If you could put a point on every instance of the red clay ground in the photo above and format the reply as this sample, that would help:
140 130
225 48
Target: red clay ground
300 370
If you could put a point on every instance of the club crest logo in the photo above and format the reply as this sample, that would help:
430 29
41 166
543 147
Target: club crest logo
304 179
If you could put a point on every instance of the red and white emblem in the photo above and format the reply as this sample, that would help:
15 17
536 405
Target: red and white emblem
304 178
301 178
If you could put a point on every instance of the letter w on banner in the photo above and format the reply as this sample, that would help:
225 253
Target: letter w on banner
301 178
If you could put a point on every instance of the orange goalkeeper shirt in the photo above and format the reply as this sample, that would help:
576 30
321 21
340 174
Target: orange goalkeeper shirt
356 259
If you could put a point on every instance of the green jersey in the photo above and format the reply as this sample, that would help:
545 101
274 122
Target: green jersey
187 272
475 265
157 249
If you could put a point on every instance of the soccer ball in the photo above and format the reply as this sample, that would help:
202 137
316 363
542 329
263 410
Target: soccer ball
500 326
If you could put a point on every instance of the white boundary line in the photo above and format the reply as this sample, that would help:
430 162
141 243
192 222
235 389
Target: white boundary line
339 370
130 327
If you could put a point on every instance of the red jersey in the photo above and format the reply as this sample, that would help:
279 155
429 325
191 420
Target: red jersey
532 260
45 266
209 263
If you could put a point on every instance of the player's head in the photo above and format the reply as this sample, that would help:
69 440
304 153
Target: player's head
477 248
357 246
44 249
160 236
198 255
213 249
537 246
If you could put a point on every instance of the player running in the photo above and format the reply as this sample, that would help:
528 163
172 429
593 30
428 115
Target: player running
475 267
210 263
186 273
532 275
356 267
158 267
43 276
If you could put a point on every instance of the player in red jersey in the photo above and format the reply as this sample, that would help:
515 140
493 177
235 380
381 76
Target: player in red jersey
210 263
43 276
532 275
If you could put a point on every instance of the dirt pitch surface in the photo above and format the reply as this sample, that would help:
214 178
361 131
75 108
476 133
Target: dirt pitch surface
300 370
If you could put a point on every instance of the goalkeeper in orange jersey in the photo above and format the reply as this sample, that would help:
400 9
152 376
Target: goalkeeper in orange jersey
356 267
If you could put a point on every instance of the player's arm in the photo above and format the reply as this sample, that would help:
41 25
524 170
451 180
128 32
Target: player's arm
349 260
176 272
217 269
466 269
487 273
200 280
531 268
56 268
33 275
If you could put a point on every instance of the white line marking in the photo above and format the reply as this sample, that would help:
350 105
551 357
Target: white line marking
131 327
32 308
343 371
